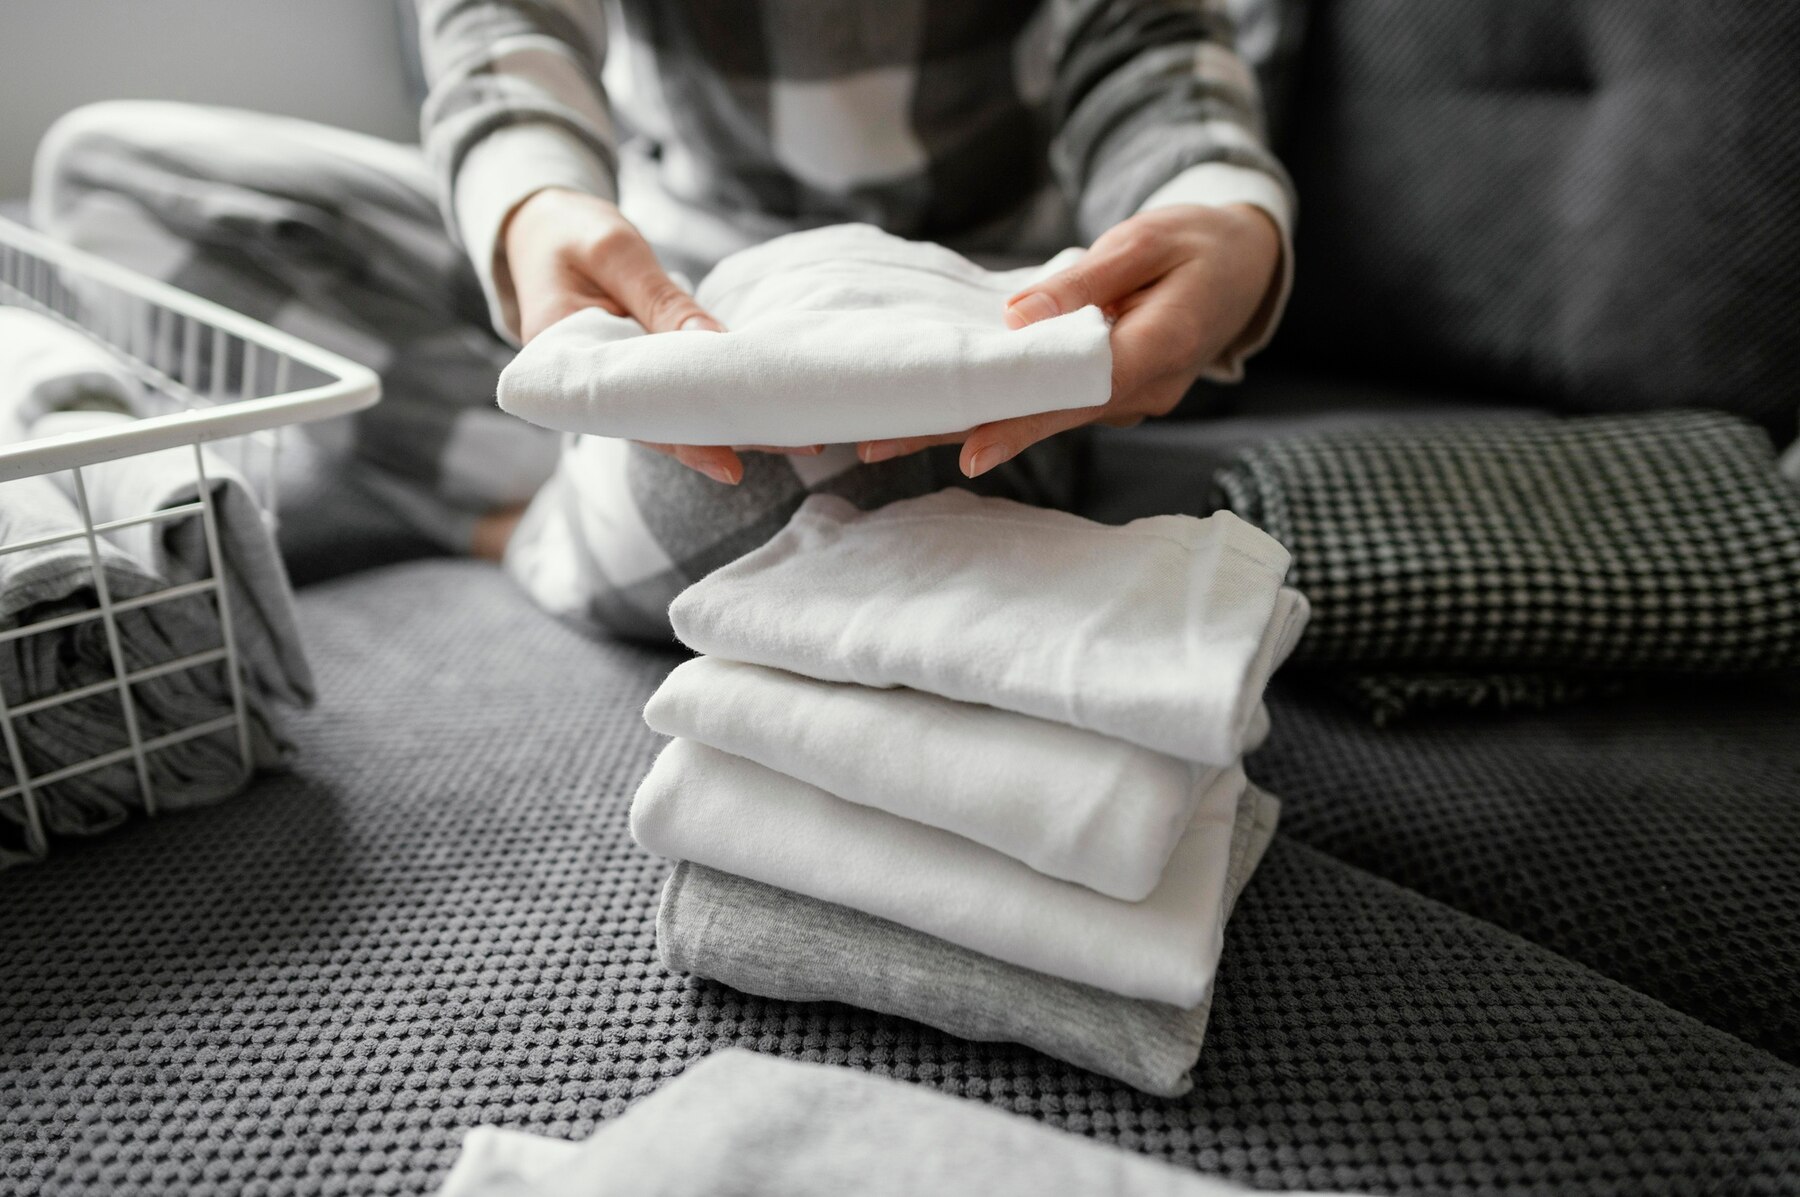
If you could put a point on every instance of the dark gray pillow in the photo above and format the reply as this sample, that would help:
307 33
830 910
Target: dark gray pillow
1590 203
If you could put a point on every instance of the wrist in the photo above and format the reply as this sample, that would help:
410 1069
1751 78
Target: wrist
530 215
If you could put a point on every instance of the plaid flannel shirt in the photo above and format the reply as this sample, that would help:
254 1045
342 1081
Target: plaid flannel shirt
990 126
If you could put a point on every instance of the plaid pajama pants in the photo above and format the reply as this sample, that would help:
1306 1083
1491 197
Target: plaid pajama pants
337 238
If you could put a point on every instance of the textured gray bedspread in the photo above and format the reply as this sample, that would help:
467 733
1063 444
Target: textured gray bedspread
439 920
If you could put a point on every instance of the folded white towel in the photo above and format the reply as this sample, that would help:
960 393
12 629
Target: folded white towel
715 809
1070 803
47 367
837 334
1162 632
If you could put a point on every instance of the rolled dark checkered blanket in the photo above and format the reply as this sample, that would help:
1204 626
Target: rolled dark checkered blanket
1494 562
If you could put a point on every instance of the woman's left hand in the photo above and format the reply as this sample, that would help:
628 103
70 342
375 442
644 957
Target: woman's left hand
1181 284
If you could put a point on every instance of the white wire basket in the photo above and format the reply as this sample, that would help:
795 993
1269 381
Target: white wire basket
212 377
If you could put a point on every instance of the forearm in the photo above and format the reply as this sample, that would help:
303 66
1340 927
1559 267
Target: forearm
515 106
1153 107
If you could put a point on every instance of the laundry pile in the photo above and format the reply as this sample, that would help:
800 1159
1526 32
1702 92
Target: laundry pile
977 764
59 651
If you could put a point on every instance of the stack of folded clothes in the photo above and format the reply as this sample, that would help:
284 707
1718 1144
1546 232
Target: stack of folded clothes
976 764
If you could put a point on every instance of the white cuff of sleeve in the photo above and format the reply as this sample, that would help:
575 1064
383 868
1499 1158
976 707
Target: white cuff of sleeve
499 173
1216 184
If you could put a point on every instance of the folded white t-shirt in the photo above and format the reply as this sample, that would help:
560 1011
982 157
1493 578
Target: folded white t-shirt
1162 632
1070 803
732 814
838 334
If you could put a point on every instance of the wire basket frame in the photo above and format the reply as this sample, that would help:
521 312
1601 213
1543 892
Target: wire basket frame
210 376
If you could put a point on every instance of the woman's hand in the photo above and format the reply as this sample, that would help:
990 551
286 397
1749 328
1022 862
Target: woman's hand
567 251
1182 285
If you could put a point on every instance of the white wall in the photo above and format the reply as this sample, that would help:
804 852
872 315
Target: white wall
330 60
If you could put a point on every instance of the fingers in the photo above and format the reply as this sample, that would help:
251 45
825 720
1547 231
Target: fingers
1113 268
785 450
870 452
994 444
1167 331
627 268
1159 341
715 461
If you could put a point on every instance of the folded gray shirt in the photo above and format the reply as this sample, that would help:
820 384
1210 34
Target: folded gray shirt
755 1126
777 944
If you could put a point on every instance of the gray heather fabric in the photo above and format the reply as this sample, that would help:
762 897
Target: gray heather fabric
1587 203
1662 542
1654 837
754 1126
438 920
620 530
56 581
262 602
773 943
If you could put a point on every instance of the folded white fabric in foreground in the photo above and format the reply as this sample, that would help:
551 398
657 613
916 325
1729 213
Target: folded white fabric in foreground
756 1126
732 814
1161 632
1070 803
837 334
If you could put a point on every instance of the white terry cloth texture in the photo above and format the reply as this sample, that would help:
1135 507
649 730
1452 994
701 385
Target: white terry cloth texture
1070 803
839 334
46 367
757 1126
1162 632
732 814
780 944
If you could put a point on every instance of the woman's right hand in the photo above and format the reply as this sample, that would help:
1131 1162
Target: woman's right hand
566 251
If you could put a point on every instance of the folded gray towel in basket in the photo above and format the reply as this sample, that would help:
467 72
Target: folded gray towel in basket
55 582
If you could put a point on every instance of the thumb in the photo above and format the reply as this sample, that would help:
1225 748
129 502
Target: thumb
651 297
1101 276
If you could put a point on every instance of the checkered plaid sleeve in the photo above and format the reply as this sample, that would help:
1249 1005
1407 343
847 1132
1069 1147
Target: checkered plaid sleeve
515 105
1151 104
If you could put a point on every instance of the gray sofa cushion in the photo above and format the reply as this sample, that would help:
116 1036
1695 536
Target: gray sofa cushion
1654 837
1590 203
439 919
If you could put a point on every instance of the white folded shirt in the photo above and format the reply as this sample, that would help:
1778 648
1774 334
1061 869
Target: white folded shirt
1162 632
732 814
833 335
1070 803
